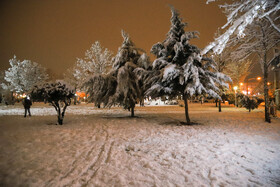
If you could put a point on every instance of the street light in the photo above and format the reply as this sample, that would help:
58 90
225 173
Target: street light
255 78
235 88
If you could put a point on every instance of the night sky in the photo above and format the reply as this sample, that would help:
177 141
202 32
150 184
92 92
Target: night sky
54 33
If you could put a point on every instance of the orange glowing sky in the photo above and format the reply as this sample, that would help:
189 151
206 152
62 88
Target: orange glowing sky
55 32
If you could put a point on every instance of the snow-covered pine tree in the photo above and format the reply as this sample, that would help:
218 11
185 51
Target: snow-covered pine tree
180 69
143 73
58 94
22 76
97 61
100 88
121 85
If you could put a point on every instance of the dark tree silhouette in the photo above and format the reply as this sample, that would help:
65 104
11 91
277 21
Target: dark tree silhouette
58 94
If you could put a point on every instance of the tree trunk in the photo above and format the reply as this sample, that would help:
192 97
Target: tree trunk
59 116
142 102
220 107
132 111
250 102
13 99
187 110
266 97
59 120
75 96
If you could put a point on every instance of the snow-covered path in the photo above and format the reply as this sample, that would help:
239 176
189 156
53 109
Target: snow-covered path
232 148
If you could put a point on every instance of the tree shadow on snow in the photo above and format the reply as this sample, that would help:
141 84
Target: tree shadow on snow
176 122
223 106
120 117
55 123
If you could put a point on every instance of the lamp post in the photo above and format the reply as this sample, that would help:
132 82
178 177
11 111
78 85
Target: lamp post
235 100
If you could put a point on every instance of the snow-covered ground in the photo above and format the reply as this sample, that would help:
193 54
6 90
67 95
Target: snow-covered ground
101 147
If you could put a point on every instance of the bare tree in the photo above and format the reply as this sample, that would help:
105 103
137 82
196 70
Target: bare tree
69 77
238 70
260 38
222 61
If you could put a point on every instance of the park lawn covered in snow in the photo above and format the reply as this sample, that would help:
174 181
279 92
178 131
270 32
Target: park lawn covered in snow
102 147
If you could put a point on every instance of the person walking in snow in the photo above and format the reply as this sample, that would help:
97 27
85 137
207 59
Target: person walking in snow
27 103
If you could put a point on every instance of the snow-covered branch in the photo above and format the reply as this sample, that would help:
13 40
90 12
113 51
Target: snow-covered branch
241 14
97 61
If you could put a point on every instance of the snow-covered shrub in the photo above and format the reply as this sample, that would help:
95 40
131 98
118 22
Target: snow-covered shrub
58 94
250 103
179 69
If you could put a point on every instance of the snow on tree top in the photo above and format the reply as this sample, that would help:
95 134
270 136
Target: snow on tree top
184 69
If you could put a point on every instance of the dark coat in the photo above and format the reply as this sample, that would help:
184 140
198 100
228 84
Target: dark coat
26 103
